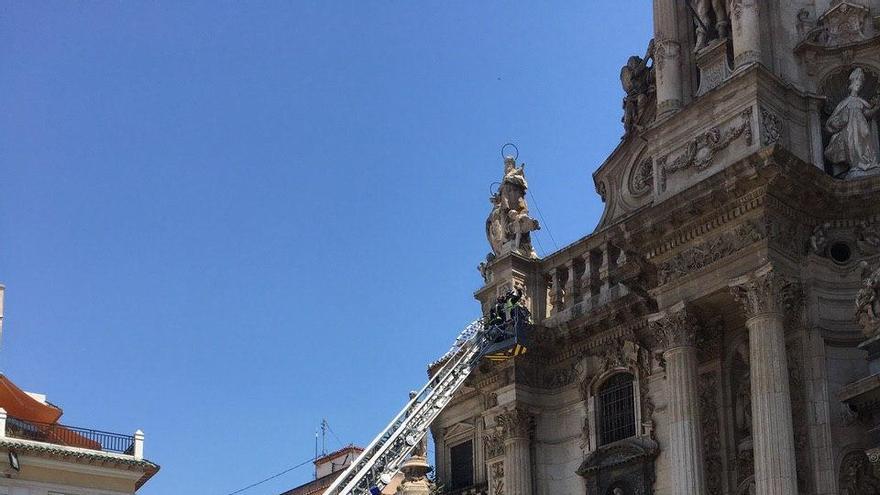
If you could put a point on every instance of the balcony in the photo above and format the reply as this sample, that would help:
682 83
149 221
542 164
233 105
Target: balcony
71 436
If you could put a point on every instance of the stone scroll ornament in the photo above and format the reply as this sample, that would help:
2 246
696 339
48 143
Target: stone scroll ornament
509 226
852 148
700 152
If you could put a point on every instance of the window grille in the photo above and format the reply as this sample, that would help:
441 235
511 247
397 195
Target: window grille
462 464
617 415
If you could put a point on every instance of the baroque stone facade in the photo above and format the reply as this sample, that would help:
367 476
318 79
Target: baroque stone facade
710 336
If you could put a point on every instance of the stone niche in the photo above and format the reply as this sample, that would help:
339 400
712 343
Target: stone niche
835 87
622 468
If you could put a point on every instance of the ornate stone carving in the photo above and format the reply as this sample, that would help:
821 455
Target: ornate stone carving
509 225
700 151
535 375
711 21
515 423
764 291
856 475
819 239
844 23
711 429
637 79
714 66
496 471
493 440
742 414
641 177
867 239
700 256
868 301
853 144
771 127
674 328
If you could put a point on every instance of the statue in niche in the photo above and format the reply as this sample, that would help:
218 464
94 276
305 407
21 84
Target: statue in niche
711 21
852 148
509 225
637 79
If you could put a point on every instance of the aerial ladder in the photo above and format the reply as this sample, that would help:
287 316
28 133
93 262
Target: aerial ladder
384 456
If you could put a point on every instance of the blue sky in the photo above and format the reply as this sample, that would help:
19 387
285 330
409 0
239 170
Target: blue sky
223 221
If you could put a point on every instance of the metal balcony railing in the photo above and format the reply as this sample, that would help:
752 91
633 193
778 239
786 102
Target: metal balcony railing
70 436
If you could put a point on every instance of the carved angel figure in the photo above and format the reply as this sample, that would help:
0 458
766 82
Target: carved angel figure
853 141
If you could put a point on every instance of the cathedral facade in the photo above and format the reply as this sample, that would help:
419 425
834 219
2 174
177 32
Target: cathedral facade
717 333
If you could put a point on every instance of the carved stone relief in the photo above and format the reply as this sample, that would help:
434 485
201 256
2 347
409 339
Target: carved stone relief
675 329
743 453
711 428
771 127
856 475
699 152
698 257
868 301
493 440
496 473
799 417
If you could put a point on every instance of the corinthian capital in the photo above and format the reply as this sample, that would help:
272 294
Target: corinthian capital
762 292
515 423
675 327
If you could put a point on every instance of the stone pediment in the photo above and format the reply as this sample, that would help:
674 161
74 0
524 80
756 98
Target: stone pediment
629 451
458 430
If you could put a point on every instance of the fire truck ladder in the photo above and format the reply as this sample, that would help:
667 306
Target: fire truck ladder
382 459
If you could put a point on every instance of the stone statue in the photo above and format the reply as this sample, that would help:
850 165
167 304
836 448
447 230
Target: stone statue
637 80
868 302
708 11
509 225
853 136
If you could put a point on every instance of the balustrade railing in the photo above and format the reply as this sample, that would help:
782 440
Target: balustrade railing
70 436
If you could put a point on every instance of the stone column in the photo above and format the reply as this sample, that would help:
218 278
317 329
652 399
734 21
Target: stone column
676 330
667 57
764 295
516 426
746 32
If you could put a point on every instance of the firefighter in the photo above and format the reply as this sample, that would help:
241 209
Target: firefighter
511 300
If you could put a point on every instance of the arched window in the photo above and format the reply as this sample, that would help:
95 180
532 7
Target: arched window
617 413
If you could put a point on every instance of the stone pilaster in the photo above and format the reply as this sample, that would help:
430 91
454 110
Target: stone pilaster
764 296
676 331
516 426
746 32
